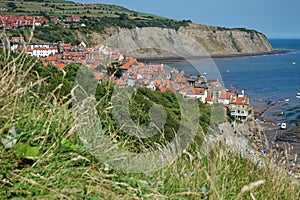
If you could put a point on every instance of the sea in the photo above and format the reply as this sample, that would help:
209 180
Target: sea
271 78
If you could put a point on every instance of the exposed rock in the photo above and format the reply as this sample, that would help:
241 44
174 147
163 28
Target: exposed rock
222 41
216 41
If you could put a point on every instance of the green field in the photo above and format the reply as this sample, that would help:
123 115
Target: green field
62 8
97 18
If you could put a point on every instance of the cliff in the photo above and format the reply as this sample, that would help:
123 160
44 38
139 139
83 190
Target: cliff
223 41
102 21
189 41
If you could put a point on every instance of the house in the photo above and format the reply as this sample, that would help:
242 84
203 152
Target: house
82 44
215 90
198 93
42 52
72 19
99 76
209 101
3 9
61 66
75 19
192 80
240 106
120 83
128 64
16 21
151 86
55 20
163 89
225 98
67 26
17 39
68 19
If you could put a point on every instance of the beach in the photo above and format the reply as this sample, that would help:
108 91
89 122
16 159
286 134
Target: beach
173 59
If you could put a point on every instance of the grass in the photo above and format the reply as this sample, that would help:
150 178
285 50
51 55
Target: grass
99 18
62 8
50 162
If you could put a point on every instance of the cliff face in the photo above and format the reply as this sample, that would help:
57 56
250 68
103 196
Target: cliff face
221 41
152 42
191 41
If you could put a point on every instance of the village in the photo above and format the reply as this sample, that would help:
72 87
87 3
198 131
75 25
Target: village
20 21
132 73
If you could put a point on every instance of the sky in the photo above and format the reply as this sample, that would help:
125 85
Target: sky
274 18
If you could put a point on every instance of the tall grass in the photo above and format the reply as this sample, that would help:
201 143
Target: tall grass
48 160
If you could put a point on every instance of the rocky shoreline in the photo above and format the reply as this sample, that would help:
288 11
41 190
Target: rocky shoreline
263 132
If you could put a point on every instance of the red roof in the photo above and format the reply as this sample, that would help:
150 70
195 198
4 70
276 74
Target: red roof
163 89
61 66
226 95
240 100
119 82
141 64
99 75
196 91
127 65
41 49
51 58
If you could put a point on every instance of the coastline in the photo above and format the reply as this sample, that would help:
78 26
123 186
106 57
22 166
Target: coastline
264 134
256 140
172 59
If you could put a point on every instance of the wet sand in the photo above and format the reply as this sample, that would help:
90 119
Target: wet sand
172 59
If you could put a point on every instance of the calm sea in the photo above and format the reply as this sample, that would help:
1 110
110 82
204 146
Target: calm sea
264 78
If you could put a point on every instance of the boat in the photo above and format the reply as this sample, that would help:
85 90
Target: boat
287 100
294 63
298 95
283 126
280 114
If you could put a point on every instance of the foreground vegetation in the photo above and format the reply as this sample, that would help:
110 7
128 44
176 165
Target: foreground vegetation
46 159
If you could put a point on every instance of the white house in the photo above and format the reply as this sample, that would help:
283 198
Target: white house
42 52
225 98
198 93
105 50
152 86
240 106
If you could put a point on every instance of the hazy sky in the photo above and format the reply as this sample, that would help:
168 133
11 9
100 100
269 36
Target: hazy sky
275 18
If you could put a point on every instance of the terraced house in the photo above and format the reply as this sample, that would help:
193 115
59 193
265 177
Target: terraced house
240 106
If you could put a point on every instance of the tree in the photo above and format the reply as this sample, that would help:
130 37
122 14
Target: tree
11 5
123 16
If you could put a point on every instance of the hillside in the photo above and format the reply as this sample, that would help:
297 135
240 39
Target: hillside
46 131
103 21
43 156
